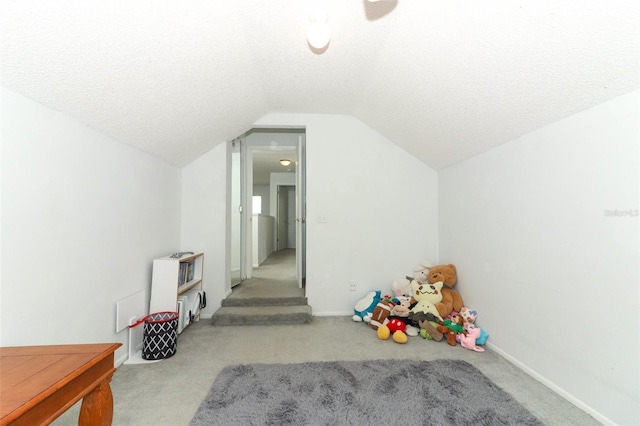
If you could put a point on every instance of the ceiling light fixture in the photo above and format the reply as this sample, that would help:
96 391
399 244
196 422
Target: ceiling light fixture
319 32
285 162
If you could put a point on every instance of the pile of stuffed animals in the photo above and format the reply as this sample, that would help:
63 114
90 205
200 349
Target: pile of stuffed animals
425 305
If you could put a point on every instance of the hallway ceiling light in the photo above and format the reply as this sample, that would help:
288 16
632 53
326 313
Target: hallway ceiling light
285 162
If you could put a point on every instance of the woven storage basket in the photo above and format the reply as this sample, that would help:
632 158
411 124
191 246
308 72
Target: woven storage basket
160 338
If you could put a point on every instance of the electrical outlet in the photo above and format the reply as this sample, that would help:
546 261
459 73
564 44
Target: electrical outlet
353 286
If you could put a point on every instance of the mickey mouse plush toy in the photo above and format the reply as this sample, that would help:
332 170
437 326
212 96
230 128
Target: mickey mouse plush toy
398 323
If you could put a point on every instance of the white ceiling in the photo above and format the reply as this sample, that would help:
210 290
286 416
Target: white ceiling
267 162
445 80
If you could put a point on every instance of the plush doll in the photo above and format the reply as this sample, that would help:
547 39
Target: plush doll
381 313
401 312
420 273
364 308
451 300
429 330
482 339
398 324
468 340
452 328
469 316
392 328
401 287
426 297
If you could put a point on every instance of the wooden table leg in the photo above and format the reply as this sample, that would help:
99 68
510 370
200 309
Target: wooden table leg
97 406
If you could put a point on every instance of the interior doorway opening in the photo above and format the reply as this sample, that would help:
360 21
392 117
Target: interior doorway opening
267 170
286 217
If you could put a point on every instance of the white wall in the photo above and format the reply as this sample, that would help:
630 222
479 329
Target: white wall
204 221
554 279
263 232
380 203
83 217
263 191
278 179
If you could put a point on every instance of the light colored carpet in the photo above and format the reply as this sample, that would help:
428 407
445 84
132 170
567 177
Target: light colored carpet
271 297
275 278
280 265
168 393
383 392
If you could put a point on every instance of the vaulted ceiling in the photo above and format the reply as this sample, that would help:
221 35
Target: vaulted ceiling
445 80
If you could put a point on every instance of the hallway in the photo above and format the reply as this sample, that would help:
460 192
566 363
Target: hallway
275 278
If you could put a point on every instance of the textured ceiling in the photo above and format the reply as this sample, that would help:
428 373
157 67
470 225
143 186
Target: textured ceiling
445 80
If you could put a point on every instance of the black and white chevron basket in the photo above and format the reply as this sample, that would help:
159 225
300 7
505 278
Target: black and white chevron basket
160 337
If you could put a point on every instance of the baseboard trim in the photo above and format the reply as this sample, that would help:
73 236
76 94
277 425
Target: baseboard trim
332 314
118 362
555 388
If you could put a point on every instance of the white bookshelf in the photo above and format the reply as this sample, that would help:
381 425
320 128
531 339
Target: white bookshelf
177 279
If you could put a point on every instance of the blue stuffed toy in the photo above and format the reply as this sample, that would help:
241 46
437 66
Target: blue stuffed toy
364 308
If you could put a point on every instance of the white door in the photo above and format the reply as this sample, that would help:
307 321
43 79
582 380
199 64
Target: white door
291 216
300 214
236 213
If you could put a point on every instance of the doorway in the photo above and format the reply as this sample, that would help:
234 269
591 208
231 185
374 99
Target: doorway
286 217
270 207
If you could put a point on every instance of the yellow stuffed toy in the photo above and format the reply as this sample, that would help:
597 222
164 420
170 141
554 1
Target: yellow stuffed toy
426 296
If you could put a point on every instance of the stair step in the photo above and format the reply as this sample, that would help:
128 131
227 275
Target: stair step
264 301
262 315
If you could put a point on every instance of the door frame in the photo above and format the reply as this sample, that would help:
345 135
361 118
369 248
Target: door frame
301 212
247 185
236 207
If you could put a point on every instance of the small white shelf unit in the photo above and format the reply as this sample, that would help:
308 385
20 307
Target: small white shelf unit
176 286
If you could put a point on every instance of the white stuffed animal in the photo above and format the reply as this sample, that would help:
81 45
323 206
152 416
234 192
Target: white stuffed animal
420 273
401 288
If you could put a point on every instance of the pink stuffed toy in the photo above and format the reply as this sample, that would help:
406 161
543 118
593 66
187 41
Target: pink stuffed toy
468 341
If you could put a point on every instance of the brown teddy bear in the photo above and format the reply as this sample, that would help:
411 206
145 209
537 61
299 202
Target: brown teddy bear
451 300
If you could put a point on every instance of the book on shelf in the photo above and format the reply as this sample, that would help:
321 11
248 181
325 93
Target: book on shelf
181 303
182 275
190 270
185 315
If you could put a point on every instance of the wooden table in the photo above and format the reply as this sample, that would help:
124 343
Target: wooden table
39 383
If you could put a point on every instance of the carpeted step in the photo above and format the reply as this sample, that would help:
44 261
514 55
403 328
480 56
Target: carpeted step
264 301
262 315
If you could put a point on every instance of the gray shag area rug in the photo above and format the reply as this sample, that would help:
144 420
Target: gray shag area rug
384 392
